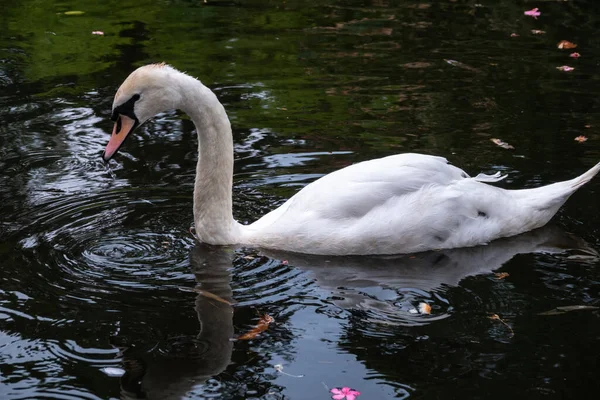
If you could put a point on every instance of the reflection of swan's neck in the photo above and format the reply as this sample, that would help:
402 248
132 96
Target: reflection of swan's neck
214 172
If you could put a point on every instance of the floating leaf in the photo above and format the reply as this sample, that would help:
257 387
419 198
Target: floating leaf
565 44
534 12
566 309
99 33
263 324
537 32
565 68
502 144
501 275
581 139
74 12
424 308
575 55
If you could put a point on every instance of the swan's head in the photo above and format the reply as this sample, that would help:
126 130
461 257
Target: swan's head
146 92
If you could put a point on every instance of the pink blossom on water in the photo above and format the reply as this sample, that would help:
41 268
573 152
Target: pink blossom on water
565 68
533 13
575 55
344 393
98 33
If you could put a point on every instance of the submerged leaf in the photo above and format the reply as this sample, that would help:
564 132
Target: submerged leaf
263 324
459 64
496 317
210 295
74 12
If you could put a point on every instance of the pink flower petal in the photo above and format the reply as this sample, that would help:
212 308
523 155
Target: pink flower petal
575 55
350 397
565 68
346 390
533 13
338 396
98 33
336 391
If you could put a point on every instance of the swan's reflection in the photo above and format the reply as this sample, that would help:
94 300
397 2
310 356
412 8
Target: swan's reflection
432 269
190 361
391 286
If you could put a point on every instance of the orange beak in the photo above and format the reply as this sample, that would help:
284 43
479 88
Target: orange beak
123 127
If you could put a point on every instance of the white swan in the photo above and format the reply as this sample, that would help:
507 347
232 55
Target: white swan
398 204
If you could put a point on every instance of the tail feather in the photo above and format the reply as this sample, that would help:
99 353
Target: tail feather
585 178
549 198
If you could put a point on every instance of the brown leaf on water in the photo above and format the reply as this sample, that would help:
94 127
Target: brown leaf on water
565 44
263 324
581 139
566 309
502 144
501 275
424 308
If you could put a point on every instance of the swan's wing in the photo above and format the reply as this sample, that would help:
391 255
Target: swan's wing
353 191
402 203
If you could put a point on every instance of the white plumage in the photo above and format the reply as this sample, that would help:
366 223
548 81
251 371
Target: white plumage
398 204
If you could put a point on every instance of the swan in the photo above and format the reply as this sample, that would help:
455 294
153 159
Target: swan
403 203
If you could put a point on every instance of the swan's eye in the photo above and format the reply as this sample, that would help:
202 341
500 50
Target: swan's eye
135 97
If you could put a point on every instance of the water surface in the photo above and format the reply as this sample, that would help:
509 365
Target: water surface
104 294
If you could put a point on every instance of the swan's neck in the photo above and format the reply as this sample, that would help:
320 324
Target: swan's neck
214 172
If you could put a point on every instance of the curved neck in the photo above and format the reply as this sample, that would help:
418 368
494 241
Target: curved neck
214 172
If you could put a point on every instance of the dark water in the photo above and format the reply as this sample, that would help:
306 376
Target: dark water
99 275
